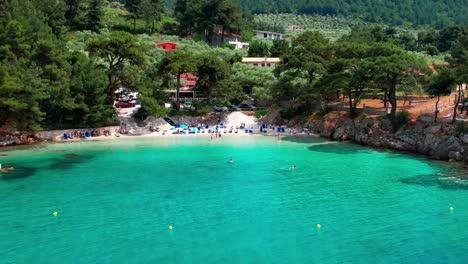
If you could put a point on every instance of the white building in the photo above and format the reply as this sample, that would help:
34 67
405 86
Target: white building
261 61
268 35
239 45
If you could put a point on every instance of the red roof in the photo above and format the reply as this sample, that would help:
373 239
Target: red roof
190 79
219 32
167 45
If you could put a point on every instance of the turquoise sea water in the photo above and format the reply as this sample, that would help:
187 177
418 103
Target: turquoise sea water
116 199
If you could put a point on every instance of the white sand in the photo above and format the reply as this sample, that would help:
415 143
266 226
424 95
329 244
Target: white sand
235 119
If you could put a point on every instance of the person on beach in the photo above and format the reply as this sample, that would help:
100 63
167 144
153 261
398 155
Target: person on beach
220 134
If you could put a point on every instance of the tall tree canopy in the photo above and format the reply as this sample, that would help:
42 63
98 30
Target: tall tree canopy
119 50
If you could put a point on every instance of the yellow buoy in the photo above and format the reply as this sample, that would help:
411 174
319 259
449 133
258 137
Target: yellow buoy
54 213
451 208
318 226
170 227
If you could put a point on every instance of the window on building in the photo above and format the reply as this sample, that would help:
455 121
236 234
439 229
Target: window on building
255 64
263 64
269 65
265 35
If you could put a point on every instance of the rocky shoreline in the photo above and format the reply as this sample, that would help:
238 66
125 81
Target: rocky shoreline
437 141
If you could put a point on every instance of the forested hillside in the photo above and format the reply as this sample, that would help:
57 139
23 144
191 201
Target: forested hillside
62 62
438 13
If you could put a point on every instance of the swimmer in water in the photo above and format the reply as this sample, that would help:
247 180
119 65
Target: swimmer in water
231 161
292 167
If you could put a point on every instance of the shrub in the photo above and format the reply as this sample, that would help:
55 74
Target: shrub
261 112
402 118
323 113
461 127
288 113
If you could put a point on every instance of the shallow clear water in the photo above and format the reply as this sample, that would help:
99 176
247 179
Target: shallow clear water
116 199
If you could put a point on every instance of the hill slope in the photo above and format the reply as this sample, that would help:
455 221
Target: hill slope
435 13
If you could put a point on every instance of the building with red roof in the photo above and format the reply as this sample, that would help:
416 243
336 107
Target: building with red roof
167 45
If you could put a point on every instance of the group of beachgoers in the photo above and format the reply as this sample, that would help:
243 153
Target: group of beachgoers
181 129
77 134
203 128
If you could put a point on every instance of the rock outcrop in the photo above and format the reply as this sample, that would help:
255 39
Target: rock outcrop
438 141
8 139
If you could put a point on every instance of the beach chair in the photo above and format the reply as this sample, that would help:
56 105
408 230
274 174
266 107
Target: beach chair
65 136
87 134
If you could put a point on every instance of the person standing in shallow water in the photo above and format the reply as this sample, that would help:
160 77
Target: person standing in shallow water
279 137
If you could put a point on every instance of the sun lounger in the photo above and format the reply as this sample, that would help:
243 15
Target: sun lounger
65 136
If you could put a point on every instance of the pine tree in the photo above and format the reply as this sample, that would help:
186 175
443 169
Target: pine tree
94 15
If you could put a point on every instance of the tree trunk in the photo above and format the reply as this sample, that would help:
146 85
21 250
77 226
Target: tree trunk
392 100
456 104
436 113
177 92
352 110
462 101
111 89
222 36
385 101
323 102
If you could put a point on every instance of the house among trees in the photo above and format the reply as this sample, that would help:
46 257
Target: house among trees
261 61
220 38
167 45
187 89
296 27
260 34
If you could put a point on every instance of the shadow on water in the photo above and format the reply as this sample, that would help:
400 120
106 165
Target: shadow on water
65 162
444 182
18 173
68 161
337 148
327 146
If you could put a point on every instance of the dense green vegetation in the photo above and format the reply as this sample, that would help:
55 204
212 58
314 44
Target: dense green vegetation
332 27
61 62
436 13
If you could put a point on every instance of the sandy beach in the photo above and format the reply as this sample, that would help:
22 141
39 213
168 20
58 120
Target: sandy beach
235 124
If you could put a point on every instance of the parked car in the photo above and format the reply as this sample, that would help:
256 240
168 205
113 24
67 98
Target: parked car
247 107
124 104
235 108
188 105
220 108
166 105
